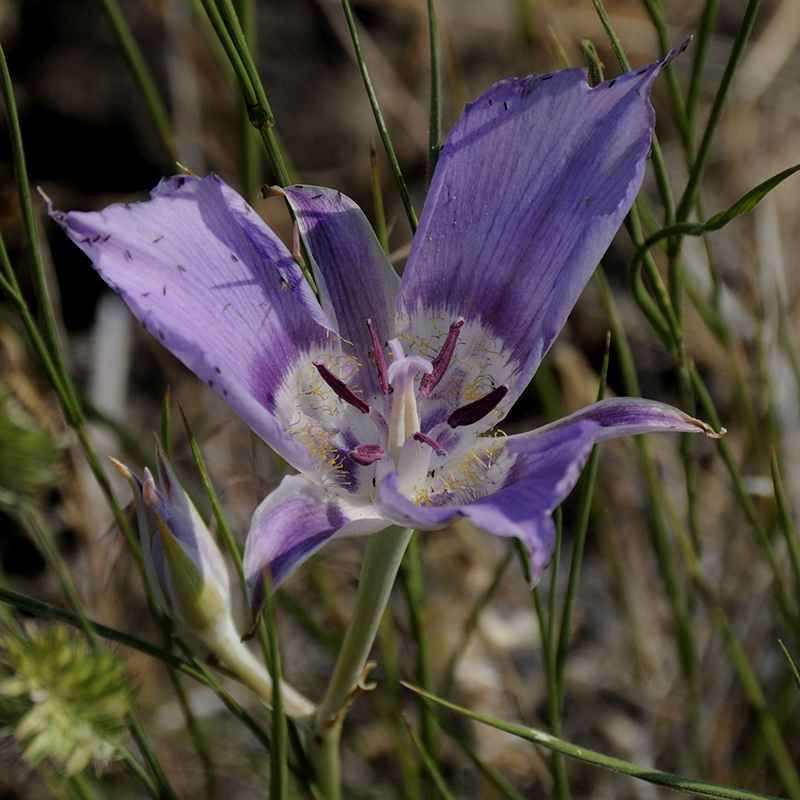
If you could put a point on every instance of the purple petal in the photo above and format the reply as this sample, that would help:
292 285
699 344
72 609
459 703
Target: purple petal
353 274
402 511
544 473
625 416
531 186
292 523
540 473
205 275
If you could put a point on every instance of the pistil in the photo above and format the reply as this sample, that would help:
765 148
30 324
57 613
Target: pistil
404 422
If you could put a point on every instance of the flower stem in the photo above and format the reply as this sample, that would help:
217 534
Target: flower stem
226 644
382 559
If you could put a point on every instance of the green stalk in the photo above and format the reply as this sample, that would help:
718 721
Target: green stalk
656 777
787 523
144 80
32 522
435 129
381 230
656 14
165 790
471 624
226 25
701 44
414 587
382 558
692 190
579 541
249 152
379 121
47 319
278 762
429 760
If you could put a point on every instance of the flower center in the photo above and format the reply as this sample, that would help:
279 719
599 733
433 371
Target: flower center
410 449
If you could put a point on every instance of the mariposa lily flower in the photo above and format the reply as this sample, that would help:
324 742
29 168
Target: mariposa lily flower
380 392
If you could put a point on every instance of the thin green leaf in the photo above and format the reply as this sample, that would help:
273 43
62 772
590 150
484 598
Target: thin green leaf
667 780
692 190
143 77
792 667
49 332
749 201
278 763
377 198
435 127
413 584
785 515
593 62
379 121
430 764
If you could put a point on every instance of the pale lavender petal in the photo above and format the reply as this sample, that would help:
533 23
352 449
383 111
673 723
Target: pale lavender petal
625 416
517 497
355 279
400 510
208 278
544 473
531 186
292 523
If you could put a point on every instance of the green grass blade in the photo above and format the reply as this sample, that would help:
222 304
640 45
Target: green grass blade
413 584
471 623
381 230
692 190
435 127
792 666
142 76
379 121
787 523
579 540
430 764
278 763
656 777
44 307
701 43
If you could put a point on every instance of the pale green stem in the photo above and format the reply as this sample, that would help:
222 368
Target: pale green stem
382 559
228 646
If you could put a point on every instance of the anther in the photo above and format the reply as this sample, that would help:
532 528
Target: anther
341 389
477 409
442 361
366 454
432 443
380 360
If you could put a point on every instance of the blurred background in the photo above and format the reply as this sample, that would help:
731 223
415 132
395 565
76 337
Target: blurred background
90 141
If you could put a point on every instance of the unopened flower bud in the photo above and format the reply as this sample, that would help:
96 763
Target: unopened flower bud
183 564
186 572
